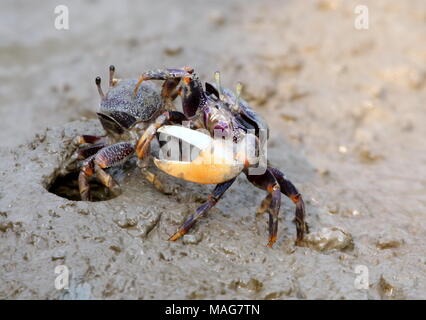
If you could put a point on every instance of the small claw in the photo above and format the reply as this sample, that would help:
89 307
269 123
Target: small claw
214 164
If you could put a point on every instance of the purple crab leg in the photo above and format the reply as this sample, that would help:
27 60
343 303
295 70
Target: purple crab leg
275 182
107 157
218 192
271 204
88 151
144 142
288 188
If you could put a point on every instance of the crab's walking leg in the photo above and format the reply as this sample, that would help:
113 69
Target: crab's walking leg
288 188
86 171
80 154
107 157
107 180
271 204
144 142
155 181
218 191
79 140
149 176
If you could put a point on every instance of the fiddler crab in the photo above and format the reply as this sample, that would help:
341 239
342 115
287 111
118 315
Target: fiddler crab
228 136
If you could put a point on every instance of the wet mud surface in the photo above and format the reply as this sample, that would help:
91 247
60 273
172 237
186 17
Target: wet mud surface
347 117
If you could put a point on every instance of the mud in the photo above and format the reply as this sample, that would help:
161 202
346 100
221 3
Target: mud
347 118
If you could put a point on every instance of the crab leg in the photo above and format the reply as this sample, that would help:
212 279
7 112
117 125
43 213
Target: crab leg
88 151
274 181
107 157
143 143
291 192
80 154
83 179
107 180
83 139
271 204
202 210
165 74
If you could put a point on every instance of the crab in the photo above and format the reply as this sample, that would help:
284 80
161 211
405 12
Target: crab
219 110
124 114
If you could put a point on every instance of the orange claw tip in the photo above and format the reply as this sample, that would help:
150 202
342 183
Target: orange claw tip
198 172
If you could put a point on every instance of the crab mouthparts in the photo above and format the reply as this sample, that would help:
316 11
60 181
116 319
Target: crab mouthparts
216 162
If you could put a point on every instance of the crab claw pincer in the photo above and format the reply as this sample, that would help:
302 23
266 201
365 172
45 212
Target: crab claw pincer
217 161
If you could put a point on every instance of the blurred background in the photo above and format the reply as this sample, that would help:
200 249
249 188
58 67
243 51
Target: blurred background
350 102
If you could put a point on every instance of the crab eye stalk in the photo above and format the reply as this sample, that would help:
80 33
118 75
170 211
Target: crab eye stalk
111 75
238 89
98 85
218 85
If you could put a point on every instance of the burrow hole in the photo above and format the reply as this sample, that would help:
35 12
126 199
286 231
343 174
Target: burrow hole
66 186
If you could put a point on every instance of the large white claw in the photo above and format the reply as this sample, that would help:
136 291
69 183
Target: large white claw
214 164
